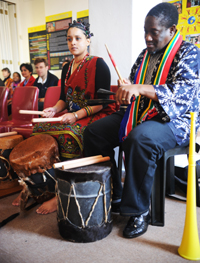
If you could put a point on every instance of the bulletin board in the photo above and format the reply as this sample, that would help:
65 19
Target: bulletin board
189 20
37 43
83 16
57 48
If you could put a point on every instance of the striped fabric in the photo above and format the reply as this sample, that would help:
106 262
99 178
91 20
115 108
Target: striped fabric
130 119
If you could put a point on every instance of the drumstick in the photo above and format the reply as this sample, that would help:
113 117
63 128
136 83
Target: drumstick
31 112
114 64
99 102
4 134
75 161
83 162
58 119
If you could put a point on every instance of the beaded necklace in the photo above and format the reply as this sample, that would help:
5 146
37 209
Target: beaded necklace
76 62
77 69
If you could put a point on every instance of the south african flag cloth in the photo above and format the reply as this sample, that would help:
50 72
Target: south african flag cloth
130 119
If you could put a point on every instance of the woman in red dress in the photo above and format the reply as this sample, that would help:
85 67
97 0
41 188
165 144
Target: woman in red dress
80 81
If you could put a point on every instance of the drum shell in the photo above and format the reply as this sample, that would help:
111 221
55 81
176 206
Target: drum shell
41 186
89 184
7 144
3 169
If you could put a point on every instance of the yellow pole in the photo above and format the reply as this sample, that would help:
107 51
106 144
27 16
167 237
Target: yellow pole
190 247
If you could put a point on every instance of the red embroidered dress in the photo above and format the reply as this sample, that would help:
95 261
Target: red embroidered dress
79 87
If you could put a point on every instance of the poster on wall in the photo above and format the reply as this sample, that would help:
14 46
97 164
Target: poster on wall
189 20
57 48
83 16
178 4
37 43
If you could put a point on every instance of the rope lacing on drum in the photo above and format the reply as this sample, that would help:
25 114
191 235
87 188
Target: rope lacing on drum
7 164
32 182
79 209
84 224
50 175
68 201
57 194
93 207
105 209
43 193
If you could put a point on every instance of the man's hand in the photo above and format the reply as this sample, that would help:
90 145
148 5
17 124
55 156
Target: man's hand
126 91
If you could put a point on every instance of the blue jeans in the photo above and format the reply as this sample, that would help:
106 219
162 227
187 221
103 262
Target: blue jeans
144 145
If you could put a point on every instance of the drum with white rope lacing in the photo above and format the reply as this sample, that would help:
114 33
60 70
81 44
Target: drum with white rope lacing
84 202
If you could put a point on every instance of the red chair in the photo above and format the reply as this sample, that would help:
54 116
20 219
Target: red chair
114 88
59 82
52 96
24 98
3 104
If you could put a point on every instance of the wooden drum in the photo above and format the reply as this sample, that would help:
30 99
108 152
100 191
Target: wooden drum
8 178
32 160
84 202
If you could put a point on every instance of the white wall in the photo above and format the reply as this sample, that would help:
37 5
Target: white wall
60 6
111 23
138 24
119 24
30 13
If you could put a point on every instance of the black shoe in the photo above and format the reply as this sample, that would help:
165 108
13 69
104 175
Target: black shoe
115 207
137 225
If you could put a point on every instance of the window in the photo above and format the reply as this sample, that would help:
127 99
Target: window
9 51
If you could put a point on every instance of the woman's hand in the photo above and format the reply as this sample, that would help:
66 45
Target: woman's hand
49 112
68 118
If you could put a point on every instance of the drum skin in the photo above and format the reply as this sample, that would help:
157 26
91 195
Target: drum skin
33 155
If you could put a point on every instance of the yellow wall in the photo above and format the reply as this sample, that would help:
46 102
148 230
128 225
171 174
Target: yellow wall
189 23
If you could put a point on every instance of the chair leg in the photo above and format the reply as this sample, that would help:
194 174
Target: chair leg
170 179
120 159
158 196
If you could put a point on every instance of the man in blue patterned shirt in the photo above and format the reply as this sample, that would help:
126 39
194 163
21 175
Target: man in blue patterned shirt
162 90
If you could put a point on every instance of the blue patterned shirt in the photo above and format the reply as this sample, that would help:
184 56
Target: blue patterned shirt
181 93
